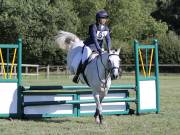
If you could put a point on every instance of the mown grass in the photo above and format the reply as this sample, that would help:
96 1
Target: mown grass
167 122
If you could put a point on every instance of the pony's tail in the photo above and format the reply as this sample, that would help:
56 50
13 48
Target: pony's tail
65 40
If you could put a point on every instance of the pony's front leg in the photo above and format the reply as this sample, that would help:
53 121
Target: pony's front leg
100 115
102 95
98 112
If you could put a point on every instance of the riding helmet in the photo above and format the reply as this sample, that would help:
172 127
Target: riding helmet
101 14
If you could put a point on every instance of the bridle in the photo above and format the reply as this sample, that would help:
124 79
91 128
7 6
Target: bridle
109 61
108 71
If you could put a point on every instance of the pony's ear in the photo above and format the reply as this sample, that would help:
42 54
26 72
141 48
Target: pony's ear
119 50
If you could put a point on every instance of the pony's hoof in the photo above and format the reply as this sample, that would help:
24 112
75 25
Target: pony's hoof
97 120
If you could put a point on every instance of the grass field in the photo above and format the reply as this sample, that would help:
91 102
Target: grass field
167 122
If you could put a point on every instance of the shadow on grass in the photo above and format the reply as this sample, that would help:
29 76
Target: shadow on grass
57 120
48 120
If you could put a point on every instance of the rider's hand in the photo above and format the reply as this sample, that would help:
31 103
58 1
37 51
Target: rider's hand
100 51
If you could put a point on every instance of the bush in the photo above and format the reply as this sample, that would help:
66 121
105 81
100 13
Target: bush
169 51
126 54
169 48
38 22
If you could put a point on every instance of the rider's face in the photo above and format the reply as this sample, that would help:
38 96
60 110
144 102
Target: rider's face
102 20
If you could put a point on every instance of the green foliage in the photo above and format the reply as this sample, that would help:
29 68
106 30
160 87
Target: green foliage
130 20
169 12
86 10
126 53
38 21
169 48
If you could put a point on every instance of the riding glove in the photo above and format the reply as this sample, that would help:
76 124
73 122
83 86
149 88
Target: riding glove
100 51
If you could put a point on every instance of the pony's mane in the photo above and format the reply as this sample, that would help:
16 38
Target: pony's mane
65 40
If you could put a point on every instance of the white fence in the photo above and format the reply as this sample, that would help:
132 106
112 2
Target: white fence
35 70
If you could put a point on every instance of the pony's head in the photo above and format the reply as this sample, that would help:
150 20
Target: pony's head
114 64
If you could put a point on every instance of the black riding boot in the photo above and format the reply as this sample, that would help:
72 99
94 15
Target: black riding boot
79 70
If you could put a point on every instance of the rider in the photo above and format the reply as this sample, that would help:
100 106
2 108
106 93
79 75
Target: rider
97 32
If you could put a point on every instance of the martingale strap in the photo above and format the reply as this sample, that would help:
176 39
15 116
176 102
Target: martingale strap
85 79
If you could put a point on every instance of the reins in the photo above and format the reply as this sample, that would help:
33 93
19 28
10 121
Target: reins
107 71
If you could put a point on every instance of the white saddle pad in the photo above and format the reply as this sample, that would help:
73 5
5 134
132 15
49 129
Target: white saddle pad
75 62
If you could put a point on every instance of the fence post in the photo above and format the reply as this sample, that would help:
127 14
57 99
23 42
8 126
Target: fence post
47 72
57 69
26 70
37 72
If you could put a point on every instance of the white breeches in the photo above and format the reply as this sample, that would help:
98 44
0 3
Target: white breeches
86 53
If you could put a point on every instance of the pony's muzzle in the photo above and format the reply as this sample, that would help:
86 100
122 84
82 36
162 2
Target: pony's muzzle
115 77
114 73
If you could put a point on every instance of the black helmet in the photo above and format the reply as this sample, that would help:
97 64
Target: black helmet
101 14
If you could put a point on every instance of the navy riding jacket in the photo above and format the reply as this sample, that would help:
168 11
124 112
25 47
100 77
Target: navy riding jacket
96 36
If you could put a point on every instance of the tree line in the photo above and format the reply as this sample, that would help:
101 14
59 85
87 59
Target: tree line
38 21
